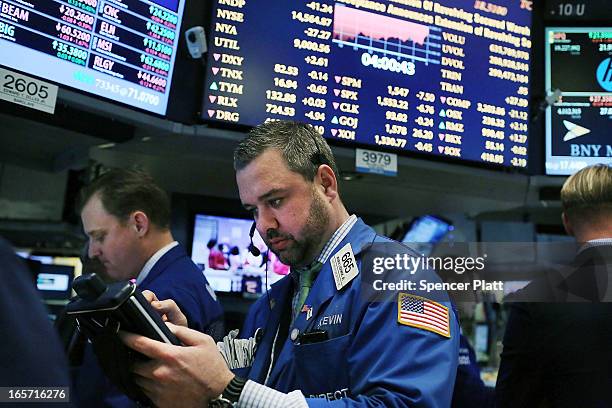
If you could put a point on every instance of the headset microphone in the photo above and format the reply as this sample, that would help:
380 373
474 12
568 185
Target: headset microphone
256 252
252 248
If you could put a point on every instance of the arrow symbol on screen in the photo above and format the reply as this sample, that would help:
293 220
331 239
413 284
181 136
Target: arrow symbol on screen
574 131
336 104
334 131
212 98
443 99
441 136
211 112
217 56
440 149
58 26
337 78
336 92
215 70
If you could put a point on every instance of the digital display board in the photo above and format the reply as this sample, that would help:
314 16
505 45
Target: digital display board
448 78
123 50
579 64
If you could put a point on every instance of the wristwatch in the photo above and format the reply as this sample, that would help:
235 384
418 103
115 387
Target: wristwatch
231 394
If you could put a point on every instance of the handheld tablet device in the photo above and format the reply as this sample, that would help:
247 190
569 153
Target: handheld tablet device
101 310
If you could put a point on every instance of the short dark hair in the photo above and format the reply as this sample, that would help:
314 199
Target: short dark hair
124 191
302 147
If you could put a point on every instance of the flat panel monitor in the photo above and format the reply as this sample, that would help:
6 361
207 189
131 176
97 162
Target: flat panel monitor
425 232
427 229
123 50
508 242
54 281
481 342
579 65
52 275
446 79
219 247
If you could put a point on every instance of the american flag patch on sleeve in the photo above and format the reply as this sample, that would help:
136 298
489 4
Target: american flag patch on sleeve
419 312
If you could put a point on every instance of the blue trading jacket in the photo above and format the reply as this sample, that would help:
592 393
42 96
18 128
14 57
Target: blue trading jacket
369 360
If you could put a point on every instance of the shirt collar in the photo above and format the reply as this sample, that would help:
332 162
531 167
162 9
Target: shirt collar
152 261
595 243
336 238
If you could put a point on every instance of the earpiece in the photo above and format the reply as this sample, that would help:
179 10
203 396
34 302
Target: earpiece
252 248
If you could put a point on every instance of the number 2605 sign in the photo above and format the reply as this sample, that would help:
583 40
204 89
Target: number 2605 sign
370 161
27 91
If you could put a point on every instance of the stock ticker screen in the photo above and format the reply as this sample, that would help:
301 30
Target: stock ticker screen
579 64
123 50
448 78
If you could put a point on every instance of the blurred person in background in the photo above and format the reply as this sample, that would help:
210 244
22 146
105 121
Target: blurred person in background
558 341
31 354
469 390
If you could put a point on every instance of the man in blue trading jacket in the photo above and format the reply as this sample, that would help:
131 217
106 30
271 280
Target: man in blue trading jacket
127 219
328 346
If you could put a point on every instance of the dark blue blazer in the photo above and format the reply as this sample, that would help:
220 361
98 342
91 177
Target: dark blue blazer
558 353
31 353
176 277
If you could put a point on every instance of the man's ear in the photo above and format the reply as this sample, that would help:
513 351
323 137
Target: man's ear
140 223
567 224
327 180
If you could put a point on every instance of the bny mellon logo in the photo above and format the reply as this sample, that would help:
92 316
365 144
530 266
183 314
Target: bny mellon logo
574 131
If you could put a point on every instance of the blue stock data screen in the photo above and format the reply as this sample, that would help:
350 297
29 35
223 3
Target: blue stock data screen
123 50
579 65
448 78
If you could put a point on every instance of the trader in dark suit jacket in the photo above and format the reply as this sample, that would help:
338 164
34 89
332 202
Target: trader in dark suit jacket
126 217
558 342
31 354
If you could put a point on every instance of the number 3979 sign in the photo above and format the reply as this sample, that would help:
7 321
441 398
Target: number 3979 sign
370 161
26 91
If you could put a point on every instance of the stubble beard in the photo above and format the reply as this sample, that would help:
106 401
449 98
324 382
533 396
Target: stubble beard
302 252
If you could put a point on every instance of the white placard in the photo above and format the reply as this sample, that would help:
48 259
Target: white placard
344 266
370 161
26 91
